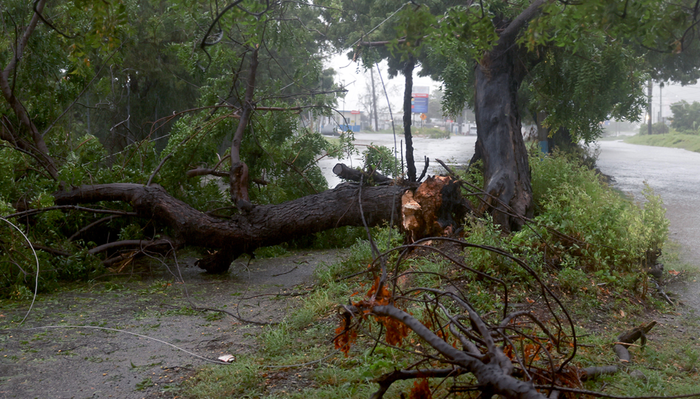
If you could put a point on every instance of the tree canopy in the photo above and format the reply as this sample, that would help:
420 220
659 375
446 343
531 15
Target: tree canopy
183 93
686 116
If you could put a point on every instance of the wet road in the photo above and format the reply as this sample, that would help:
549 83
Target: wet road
672 173
455 150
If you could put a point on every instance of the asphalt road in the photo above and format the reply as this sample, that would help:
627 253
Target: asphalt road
672 173
455 150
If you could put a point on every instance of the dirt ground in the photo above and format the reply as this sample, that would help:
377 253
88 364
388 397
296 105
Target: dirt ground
68 347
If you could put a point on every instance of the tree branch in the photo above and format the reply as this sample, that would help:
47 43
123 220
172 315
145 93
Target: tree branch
489 375
31 212
264 225
509 33
345 172
238 177
20 111
141 244
203 172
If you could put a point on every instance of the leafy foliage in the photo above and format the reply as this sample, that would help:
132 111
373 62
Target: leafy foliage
656 128
686 117
599 80
123 92
381 159
618 235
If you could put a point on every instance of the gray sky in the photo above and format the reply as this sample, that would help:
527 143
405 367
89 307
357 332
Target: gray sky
356 81
672 93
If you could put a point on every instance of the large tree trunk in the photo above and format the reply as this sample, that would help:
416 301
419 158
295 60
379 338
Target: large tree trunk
264 225
499 141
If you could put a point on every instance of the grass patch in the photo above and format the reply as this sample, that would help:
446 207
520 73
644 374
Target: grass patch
431 133
668 364
690 142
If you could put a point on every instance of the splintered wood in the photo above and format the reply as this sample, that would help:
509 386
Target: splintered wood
429 211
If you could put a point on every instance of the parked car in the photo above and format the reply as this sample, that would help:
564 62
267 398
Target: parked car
330 130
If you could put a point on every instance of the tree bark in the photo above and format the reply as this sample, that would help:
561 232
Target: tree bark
238 177
499 141
39 149
499 138
491 376
264 225
407 113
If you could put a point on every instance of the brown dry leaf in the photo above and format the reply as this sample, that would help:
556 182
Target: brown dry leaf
421 390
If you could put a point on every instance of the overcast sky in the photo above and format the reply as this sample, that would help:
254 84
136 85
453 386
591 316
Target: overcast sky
672 93
356 80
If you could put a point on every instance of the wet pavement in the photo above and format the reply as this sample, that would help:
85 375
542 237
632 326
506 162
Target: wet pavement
673 173
455 150
141 339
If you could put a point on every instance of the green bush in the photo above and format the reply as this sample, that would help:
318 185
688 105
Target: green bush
590 231
485 232
572 279
381 159
474 176
610 231
656 128
432 133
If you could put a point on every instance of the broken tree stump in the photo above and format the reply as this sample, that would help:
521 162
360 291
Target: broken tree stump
436 208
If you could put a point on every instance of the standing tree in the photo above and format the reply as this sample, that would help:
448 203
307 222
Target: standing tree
686 117
395 31
500 45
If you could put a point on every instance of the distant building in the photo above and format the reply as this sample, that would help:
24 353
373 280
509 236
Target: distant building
343 120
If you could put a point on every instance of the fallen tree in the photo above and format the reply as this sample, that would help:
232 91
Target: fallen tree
346 205
439 207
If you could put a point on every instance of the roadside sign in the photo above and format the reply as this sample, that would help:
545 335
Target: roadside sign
423 117
419 99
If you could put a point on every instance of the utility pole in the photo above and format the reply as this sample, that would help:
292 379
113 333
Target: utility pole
374 101
649 105
661 117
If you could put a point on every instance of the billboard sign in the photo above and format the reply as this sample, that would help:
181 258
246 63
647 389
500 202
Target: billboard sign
419 99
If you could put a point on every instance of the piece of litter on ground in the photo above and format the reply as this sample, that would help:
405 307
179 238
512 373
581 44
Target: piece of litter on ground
227 358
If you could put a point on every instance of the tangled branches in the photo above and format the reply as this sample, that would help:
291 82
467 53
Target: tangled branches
512 353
